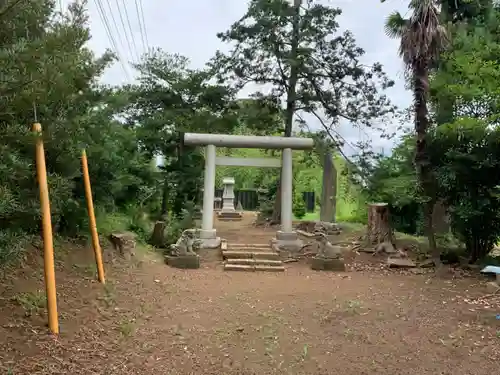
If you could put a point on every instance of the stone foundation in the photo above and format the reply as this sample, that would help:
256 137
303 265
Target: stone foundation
286 242
229 215
184 261
209 239
323 264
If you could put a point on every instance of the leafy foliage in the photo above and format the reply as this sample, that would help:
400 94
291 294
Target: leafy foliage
275 41
299 206
170 99
47 68
467 154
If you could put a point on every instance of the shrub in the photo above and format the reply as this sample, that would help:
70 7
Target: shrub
299 207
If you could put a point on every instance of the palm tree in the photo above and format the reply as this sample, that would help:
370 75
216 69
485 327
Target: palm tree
423 38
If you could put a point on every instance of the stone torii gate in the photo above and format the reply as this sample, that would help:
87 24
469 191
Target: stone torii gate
285 238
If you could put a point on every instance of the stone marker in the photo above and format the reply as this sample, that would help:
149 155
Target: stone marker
329 189
228 211
228 194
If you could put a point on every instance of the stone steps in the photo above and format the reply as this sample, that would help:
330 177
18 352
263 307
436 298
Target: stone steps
242 254
252 257
250 268
254 262
261 246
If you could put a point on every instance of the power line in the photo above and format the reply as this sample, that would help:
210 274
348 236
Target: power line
142 25
134 49
130 27
114 47
113 19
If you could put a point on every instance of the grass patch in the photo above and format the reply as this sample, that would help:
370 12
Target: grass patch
126 328
86 269
353 306
109 294
31 302
13 243
130 221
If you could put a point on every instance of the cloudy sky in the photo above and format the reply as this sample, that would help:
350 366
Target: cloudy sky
189 27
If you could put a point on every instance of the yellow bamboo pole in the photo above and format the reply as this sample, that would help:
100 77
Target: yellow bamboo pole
92 222
48 245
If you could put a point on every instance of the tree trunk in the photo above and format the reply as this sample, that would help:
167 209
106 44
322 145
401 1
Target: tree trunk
379 225
158 236
422 163
164 200
290 95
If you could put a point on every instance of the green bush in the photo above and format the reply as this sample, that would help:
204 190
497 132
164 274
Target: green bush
299 207
12 245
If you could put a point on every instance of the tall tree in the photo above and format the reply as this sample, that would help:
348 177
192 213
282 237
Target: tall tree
295 54
458 15
423 38
172 98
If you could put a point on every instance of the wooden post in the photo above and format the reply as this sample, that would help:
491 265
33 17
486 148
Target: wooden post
379 227
48 245
92 222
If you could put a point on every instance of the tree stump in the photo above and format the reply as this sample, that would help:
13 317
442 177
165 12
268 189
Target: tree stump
379 227
158 236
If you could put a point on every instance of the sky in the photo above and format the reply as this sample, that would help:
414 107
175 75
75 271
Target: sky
189 28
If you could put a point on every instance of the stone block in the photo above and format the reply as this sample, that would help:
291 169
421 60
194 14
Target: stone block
183 261
324 264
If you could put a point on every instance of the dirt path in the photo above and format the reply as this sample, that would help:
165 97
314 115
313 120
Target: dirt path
151 319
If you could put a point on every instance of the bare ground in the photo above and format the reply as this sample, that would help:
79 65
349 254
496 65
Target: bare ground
152 319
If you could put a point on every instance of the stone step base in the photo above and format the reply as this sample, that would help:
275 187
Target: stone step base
253 268
229 216
237 246
254 262
220 218
241 254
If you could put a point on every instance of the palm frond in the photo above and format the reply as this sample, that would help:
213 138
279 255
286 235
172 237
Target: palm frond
395 25
424 37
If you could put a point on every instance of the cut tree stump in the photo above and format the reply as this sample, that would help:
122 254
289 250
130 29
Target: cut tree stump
379 226
158 236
